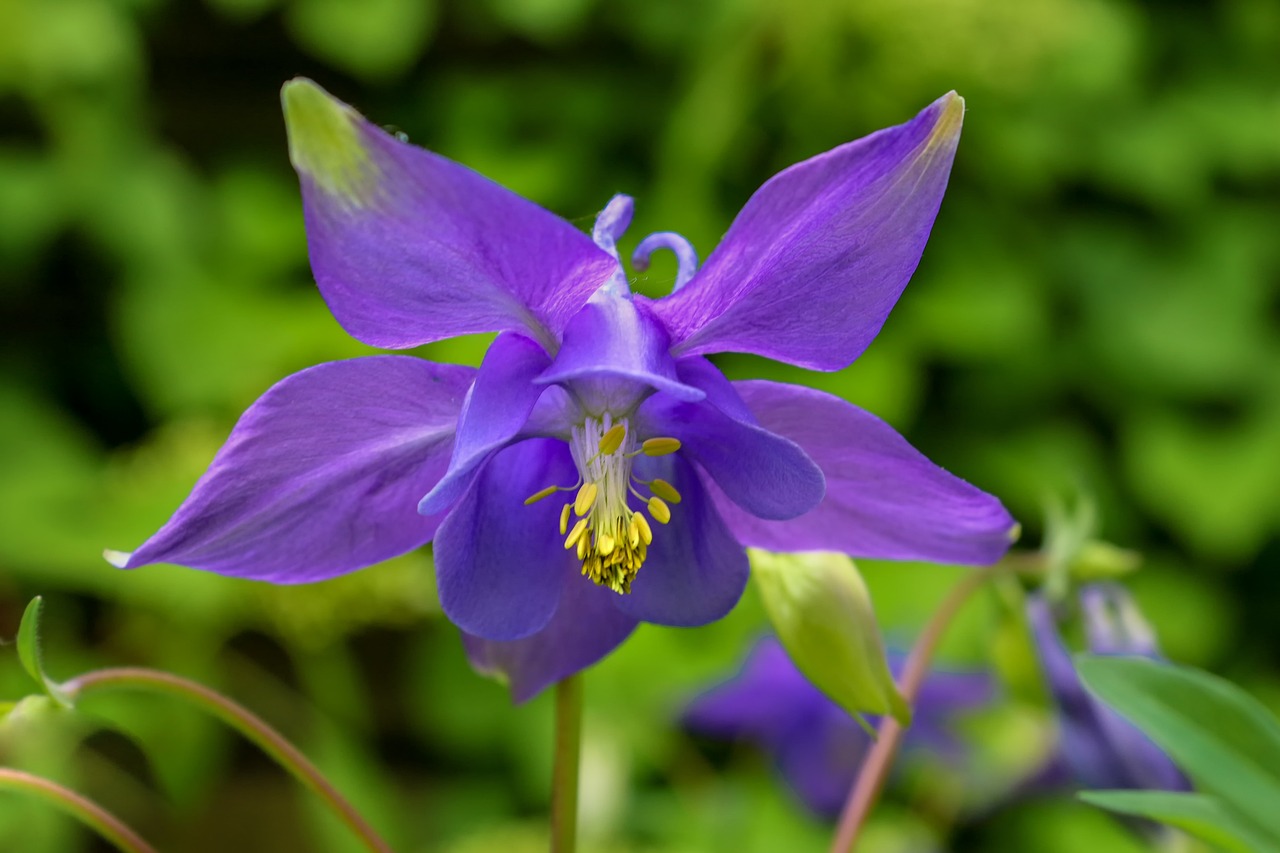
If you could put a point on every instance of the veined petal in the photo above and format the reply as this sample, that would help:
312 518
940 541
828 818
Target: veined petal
614 355
767 475
499 563
884 499
321 476
812 265
409 247
496 408
695 570
586 627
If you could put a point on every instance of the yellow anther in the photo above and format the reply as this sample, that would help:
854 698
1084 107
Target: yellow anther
665 490
633 532
564 518
582 547
576 534
586 498
537 496
612 440
605 544
642 527
660 446
659 510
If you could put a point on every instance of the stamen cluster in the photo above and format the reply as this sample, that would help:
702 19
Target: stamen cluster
610 538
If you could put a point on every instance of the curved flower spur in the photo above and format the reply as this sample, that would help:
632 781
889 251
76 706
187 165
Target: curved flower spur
596 470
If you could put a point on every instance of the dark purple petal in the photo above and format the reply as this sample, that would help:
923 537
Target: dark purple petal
812 265
409 247
883 500
322 475
586 627
1103 749
495 410
763 701
767 475
695 571
821 758
499 563
614 354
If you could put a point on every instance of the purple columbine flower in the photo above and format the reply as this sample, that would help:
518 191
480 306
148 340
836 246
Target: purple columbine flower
597 470
817 747
1099 748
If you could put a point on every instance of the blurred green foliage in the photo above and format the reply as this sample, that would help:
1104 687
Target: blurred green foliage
1098 311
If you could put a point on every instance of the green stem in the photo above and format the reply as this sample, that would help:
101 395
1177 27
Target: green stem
564 779
243 721
875 770
85 810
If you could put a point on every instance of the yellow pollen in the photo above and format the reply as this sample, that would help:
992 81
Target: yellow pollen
665 490
612 440
582 547
576 534
660 446
660 511
564 518
586 498
537 496
605 545
642 527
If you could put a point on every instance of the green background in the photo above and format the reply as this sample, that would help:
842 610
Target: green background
1097 314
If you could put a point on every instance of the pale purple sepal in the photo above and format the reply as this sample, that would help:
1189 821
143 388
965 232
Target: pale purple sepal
883 498
499 563
322 475
432 250
811 267
586 626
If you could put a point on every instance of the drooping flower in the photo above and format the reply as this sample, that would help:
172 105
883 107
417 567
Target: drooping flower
597 470
816 745
1100 749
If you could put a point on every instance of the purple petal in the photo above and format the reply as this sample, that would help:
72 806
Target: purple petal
409 247
321 476
495 410
695 571
883 500
767 475
498 562
586 627
812 265
614 354
820 759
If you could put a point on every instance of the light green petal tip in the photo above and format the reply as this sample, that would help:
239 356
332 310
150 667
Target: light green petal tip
951 117
325 143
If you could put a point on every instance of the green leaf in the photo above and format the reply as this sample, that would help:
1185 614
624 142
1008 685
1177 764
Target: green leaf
29 652
1198 815
821 611
1219 735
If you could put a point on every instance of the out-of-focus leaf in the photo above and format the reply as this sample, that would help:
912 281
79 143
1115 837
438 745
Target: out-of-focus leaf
1219 735
31 655
1196 814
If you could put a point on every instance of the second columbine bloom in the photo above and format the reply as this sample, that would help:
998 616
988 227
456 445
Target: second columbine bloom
596 470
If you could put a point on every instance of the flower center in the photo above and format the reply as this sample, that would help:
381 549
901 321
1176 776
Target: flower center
609 537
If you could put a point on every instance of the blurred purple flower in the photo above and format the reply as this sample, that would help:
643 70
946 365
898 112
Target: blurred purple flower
1099 748
667 469
817 747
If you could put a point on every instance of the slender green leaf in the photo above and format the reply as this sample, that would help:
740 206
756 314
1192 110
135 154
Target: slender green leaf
1198 815
1218 734
29 652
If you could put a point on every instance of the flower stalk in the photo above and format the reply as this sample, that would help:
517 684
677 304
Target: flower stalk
564 779
83 809
870 781
244 721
